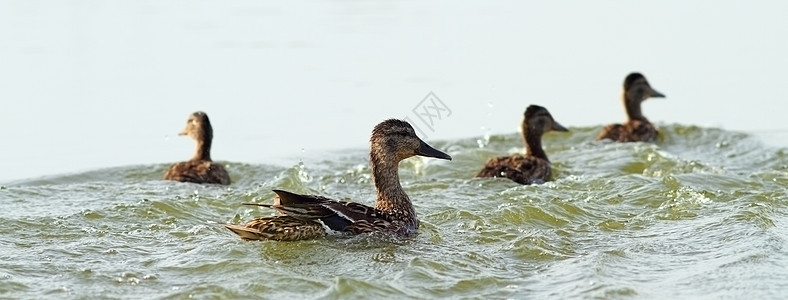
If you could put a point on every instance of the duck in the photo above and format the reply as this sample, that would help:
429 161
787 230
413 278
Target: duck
637 128
200 168
533 167
311 216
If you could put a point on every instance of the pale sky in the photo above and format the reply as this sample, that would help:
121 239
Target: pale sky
94 84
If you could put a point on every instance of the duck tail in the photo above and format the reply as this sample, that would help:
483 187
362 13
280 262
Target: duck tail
282 228
244 232
259 204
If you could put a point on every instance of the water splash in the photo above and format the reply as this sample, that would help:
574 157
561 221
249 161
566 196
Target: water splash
303 175
485 140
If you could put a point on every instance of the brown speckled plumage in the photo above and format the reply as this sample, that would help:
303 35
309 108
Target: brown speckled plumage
637 128
533 167
200 168
310 216
284 228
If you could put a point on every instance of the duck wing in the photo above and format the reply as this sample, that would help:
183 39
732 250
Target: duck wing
183 171
198 171
613 132
218 174
518 168
632 131
640 131
336 215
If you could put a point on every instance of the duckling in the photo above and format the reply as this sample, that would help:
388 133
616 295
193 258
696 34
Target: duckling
637 128
309 216
200 168
533 167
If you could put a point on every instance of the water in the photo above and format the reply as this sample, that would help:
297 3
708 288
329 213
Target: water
701 215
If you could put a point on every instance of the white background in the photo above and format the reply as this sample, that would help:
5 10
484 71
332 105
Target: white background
93 84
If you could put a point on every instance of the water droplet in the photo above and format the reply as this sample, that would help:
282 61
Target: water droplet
485 140
303 175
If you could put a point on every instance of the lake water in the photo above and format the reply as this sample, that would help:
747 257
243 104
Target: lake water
702 215
92 94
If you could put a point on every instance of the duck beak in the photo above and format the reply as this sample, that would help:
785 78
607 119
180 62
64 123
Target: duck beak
655 94
428 151
559 127
183 132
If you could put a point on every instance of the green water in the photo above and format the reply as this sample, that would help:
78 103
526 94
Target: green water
700 215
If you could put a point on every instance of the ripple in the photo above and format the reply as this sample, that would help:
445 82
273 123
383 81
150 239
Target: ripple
701 214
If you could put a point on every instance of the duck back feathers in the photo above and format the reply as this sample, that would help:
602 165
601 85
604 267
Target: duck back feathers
198 171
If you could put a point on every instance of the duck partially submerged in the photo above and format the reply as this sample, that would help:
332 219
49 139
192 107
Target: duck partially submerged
309 216
637 128
200 168
533 167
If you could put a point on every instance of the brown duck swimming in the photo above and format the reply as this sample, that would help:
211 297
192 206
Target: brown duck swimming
533 167
200 168
637 128
309 216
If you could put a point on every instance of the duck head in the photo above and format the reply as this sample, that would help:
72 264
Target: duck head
198 127
637 89
397 139
537 121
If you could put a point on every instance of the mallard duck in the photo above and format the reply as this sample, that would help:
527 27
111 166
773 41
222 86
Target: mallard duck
200 168
533 167
637 128
309 216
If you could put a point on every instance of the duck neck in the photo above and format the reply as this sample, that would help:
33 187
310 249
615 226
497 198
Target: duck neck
632 107
203 150
391 198
533 143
